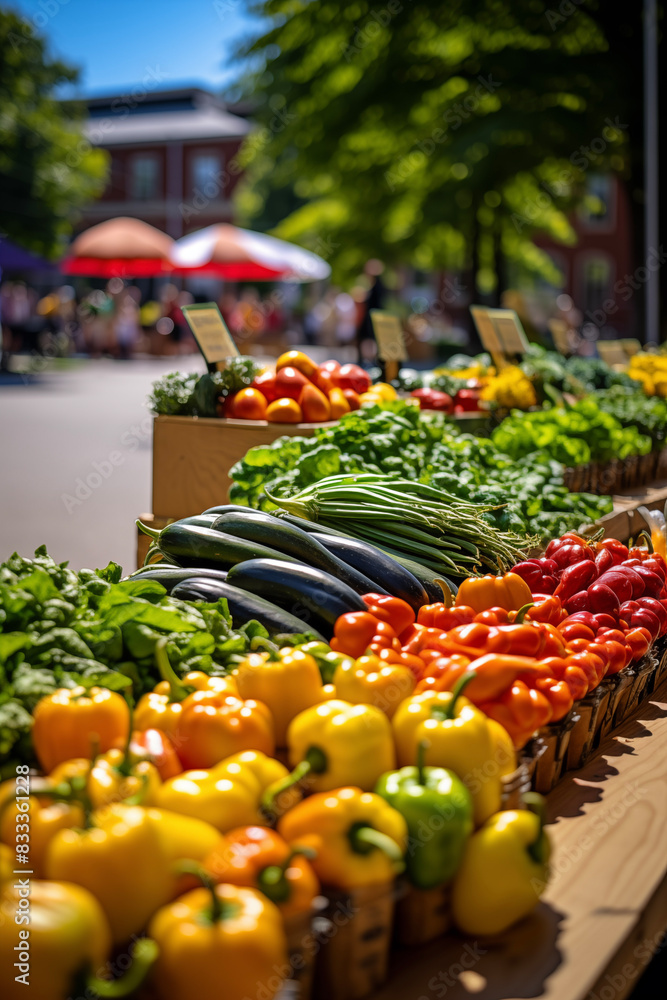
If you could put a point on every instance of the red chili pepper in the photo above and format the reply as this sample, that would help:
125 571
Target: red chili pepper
392 610
575 578
602 599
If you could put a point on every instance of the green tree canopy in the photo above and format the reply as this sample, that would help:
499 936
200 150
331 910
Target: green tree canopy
444 135
47 168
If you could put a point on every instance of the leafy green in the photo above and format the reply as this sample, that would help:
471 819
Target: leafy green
103 634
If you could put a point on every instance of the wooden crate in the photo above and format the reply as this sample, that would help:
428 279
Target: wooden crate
192 457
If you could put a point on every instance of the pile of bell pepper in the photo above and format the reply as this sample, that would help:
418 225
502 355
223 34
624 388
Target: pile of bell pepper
174 827
531 659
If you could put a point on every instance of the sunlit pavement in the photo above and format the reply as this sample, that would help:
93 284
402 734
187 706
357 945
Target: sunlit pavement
75 460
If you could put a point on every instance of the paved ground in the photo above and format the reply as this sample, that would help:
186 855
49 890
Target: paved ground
75 460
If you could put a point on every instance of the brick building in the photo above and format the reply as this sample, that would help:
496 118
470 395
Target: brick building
172 158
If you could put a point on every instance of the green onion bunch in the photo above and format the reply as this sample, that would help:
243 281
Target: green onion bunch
410 520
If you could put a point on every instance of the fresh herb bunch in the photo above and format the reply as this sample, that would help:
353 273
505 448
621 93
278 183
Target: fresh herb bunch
62 629
192 395
418 444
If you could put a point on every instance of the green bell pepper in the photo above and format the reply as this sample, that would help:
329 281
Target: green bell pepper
437 807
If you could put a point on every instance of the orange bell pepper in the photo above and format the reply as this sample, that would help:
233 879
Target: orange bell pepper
76 722
353 632
390 655
392 610
156 747
259 857
441 617
370 681
213 725
483 592
557 694
161 707
521 711
550 611
494 616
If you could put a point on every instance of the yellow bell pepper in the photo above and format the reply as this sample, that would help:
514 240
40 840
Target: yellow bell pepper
46 818
126 858
368 680
229 794
504 753
456 736
222 940
504 870
67 942
357 837
287 685
111 777
335 744
483 592
75 722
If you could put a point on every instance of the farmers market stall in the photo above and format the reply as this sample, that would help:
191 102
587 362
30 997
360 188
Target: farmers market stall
384 722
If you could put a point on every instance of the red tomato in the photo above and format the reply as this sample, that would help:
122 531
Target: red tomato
290 382
352 377
266 383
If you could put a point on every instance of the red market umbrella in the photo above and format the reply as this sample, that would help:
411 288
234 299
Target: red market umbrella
120 248
225 251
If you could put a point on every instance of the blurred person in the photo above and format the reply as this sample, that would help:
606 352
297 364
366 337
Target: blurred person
346 318
366 346
126 323
227 303
171 310
95 313
187 344
247 319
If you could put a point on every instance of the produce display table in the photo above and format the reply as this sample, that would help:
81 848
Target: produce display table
604 911
624 521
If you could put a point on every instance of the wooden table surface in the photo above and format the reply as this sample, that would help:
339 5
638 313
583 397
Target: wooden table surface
604 912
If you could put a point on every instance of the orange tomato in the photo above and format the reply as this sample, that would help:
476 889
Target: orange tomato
249 404
352 398
298 360
339 404
314 404
284 411
324 379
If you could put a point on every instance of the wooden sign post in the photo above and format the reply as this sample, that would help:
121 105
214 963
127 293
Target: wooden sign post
501 333
210 331
390 342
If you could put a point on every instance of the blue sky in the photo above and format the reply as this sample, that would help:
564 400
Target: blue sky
115 43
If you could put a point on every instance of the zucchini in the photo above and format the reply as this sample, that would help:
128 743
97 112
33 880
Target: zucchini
427 577
256 526
309 593
171 576
382 568
224 508
191 545
243 606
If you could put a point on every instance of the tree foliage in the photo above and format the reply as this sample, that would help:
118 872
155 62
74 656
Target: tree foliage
444 135
47 168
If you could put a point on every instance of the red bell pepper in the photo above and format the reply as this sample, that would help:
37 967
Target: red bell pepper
657 608
602 599
604 560
575 578
618 550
